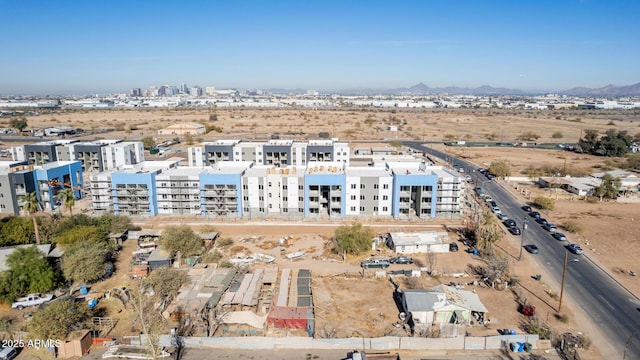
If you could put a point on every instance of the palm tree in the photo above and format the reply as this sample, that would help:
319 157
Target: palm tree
68 198
487 231
31 205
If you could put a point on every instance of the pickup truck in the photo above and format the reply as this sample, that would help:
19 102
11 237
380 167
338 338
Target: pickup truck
375 263
31 300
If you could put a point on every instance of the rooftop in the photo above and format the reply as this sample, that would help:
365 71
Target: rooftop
423 237
325 168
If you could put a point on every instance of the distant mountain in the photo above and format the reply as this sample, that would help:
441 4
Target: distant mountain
609 90
422 89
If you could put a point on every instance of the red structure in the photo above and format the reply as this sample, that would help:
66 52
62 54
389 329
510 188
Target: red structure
290 317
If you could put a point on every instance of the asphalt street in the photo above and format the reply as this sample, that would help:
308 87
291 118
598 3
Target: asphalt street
610 307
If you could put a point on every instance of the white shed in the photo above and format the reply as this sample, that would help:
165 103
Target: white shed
418 242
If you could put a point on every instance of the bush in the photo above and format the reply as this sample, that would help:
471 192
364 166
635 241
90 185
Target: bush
534 326
225 242
544 203
211 257
572 226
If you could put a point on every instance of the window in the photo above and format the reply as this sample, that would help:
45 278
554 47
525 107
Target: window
385 197
376 186
362 186
353 208
270 206
353 197
375 209
361 197
269 183
300 210
284 187
361 208
245 187
300 198
384 208
375 197
284 198
285 209
246 198
353 186
261 198
300 187
260 187
261 209
385 186
270 195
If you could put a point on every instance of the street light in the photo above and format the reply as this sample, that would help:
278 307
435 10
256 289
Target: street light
564 270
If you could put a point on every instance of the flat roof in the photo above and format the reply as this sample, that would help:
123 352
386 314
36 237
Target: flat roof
228 167
367 171
264 170
181 171
325 168
55 164
417 238
222 142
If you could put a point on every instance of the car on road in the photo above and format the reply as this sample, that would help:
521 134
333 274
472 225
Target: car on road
401 260
541 220
453 247
509 223
526 208
531 248
575 248
515 230
534 214
559 236
550 227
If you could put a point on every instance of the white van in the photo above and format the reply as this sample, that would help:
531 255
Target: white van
8 353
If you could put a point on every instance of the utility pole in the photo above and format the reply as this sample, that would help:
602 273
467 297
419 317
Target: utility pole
524 227
564 270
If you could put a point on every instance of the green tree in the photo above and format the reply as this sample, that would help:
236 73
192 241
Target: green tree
85 261
166 283
487 232
110 223
500 168
15 230
68 198
31 206
29 272
181 239
544 203
589 142
353 239
633 161
80 233
148 142
188 139
608 188
19 123
58 319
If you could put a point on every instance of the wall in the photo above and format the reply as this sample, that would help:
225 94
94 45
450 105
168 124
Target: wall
386 343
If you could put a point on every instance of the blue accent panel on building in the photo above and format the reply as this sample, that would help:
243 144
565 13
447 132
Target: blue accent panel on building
148 179
413 180
70 173
328 180
222 179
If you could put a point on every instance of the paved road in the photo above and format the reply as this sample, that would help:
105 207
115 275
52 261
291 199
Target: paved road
609 306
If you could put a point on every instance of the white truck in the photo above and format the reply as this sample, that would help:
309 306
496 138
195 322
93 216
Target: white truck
31 300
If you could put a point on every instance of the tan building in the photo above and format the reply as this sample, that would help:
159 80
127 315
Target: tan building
183 129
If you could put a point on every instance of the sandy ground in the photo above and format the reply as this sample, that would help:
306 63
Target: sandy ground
608 229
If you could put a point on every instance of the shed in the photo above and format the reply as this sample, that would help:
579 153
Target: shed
159 258
418 242
76 344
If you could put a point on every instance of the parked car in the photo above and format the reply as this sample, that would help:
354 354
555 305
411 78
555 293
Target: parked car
401 260
526 208
453 247
375 263
559 236
575 248
541 220
31 300
496 210
515 230
8 353
491 176
493 203
534 214
509 223
502 216
531 248
550 227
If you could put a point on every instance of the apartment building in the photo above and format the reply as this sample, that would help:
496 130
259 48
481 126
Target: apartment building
258 180
95 156
19 178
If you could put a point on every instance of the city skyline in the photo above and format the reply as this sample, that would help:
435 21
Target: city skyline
86 47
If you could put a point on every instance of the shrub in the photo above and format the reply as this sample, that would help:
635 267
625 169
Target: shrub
572 226
225 242
534 326
544 203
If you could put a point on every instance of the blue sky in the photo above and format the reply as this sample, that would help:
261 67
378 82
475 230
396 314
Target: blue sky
112 46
